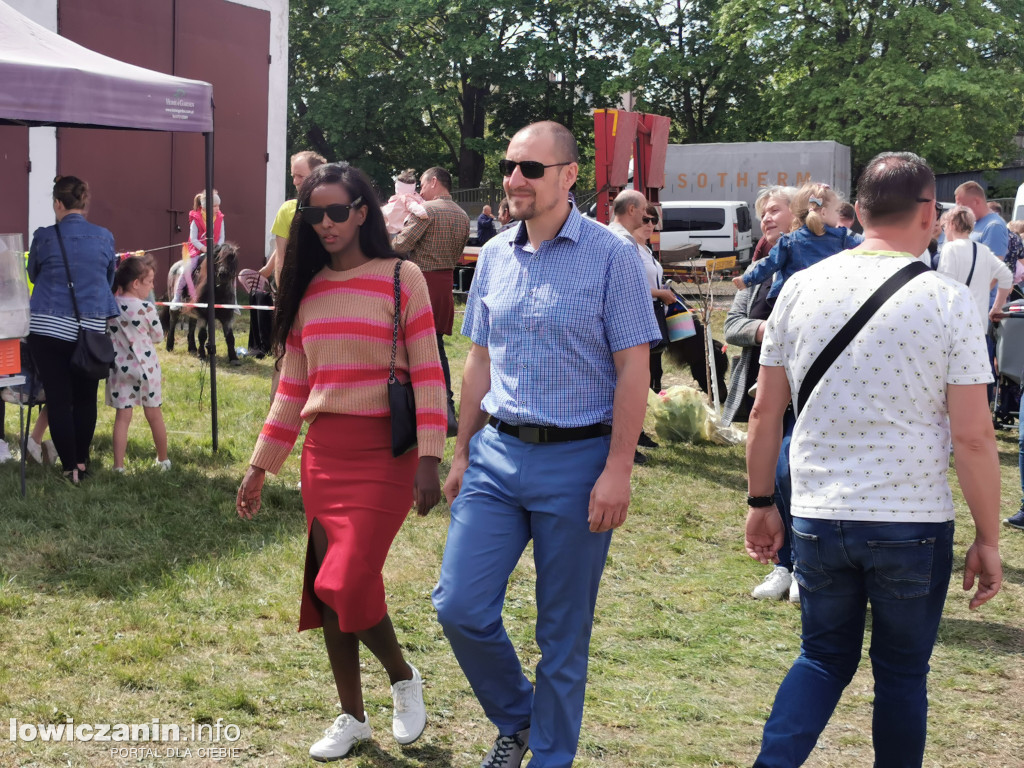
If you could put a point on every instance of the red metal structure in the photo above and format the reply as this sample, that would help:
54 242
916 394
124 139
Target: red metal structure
618 137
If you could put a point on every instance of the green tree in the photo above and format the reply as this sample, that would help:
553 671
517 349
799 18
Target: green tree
428 82
937 77
678 67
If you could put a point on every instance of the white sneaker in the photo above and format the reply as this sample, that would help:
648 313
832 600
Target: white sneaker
775 585
410 715
508 751
35 450
794 591
164 465
50 452
339 739
5 452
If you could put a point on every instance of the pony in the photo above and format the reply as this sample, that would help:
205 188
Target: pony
225 269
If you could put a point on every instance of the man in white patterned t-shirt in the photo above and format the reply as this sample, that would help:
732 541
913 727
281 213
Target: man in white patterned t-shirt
872 510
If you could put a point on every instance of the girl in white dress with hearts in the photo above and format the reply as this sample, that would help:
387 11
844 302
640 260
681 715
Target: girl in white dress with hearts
135 377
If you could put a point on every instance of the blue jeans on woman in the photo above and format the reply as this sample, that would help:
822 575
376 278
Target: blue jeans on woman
903 570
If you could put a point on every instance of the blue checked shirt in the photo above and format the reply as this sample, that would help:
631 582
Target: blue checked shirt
552 318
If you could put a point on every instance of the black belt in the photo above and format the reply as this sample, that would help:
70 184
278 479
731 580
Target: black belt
532 433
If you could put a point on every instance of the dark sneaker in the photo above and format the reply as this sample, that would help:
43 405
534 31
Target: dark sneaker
639 459
646 441
508 751
1016 521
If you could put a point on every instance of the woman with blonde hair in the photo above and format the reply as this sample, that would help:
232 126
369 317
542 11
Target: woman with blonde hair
815 235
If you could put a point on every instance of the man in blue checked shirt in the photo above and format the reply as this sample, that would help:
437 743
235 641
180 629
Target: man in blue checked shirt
553 397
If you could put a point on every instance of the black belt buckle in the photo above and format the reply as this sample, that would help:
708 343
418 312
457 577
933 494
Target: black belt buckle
532 434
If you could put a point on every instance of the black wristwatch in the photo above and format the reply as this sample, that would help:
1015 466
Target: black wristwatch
758 502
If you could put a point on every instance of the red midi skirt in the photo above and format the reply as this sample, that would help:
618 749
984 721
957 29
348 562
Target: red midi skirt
360 495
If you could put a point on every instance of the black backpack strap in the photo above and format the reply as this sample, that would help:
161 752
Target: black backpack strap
974 260
853 326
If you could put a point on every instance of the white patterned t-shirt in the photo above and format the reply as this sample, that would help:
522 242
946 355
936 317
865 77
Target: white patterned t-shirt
872 442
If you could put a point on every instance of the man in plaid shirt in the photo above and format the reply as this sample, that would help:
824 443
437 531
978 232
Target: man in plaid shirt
435 245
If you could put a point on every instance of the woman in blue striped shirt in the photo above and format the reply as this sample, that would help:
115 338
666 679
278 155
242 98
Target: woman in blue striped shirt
53 330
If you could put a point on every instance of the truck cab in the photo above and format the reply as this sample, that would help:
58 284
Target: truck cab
720 227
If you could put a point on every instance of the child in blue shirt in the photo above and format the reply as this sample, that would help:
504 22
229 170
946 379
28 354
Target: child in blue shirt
817 235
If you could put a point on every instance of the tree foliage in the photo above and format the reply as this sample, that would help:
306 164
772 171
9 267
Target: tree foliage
390 84
941 78
428 82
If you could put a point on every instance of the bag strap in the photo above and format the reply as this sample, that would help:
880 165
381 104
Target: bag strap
394 334
853 326
974 260
67 271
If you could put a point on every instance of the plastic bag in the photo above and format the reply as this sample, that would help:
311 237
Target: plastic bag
681 414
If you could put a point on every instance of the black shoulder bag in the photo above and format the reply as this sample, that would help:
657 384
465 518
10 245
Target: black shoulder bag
974 262
853 326
401 401
94 351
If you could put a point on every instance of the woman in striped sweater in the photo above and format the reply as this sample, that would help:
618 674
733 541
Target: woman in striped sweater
334 322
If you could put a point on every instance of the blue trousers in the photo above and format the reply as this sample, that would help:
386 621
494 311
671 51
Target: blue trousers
902 570
513 492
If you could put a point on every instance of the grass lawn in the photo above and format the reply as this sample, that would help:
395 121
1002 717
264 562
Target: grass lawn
143 597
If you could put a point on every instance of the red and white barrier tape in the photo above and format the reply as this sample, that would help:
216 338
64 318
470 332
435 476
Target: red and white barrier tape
182 305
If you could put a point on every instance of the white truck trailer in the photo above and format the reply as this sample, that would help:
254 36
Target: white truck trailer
737 171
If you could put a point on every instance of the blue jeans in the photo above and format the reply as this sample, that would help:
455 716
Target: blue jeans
784 490
513 492
903 570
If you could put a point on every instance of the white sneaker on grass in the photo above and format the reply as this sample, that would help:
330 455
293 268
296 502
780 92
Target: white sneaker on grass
5 452
50 452
35 450
508 751
410 717
775 585
345 732
794 591
164 465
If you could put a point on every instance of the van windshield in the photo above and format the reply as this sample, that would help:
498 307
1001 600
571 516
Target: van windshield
691 219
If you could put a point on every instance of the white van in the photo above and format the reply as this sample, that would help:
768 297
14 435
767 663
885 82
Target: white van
720 228
1018 204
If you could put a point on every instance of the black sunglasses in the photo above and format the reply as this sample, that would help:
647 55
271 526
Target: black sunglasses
338 213
531 169
650 219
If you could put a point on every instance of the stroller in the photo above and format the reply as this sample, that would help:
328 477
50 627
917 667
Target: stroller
1009 365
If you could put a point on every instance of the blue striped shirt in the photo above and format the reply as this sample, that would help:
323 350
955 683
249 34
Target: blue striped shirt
64 328
551 320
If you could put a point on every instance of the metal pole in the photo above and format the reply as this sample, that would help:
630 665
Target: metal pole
211 298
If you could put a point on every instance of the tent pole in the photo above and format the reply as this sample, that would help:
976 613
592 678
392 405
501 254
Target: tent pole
211 296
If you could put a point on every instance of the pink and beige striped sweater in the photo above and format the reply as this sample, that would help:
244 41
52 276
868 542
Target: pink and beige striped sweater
337 355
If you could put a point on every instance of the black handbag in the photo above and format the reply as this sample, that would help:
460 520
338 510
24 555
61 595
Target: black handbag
94 351
659 316
400 396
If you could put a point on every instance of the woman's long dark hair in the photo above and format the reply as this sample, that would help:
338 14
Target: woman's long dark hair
305 255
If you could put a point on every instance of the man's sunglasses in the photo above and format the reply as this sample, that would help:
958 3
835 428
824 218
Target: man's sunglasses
531 169
650 219
338 213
